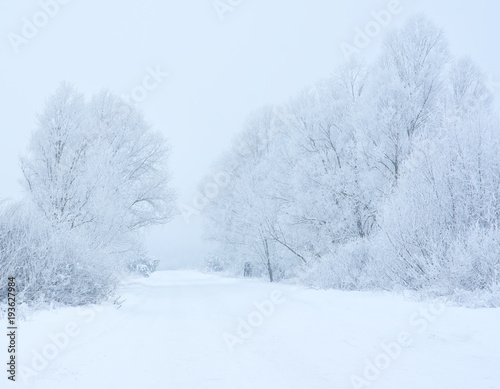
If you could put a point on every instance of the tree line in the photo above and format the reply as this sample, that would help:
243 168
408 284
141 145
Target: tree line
384 175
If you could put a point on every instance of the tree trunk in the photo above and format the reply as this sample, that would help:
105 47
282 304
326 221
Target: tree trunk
269 269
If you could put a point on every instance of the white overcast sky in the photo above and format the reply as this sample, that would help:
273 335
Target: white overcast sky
219 70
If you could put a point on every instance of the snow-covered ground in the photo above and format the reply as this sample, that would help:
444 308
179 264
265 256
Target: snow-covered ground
183 329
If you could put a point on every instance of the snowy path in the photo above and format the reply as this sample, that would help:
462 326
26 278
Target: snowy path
169 333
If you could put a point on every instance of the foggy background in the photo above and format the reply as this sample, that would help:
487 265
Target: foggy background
219 70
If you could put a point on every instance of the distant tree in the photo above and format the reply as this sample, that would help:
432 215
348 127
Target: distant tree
241 215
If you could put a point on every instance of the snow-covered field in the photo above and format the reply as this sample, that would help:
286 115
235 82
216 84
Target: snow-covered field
183 329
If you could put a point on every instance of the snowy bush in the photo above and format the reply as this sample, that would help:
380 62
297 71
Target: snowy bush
346 268
50 266
144 266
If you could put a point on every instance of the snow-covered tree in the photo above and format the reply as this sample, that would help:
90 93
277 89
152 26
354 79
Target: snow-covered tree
98 163
447 200
95 174
406 90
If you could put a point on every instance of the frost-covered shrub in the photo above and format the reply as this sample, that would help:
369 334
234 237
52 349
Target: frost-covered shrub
143 265
475 260
214 263
49 265
345 268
